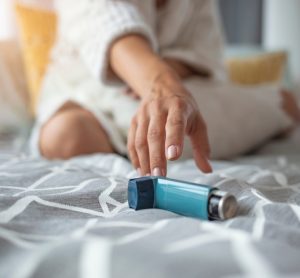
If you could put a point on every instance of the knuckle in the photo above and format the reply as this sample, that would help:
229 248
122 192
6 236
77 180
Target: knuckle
180 104
130 147
142 111
155 105
176 139
156 160
134 120
154 133
140 144
177 120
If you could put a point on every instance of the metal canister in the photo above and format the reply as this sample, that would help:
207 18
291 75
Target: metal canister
221 205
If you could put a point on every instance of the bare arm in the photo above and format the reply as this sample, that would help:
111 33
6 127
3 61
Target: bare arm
133 60
167 111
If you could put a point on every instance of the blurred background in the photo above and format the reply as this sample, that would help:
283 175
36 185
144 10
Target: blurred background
265 24
262 46
261 23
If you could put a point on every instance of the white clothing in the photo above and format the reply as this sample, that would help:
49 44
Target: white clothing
237 118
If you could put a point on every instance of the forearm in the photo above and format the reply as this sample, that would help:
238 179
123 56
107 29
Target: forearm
133 60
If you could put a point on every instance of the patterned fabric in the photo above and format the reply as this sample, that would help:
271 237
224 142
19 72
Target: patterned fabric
70 219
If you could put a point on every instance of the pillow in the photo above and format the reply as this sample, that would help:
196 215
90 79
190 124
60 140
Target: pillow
257 69
37 34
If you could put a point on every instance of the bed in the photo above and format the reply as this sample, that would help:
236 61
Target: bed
71 219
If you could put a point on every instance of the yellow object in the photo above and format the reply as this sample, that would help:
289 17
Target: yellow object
258 69
38 32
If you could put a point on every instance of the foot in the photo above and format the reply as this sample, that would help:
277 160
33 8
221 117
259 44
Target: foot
290 106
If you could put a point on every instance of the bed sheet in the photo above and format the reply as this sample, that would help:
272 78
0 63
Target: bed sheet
71 219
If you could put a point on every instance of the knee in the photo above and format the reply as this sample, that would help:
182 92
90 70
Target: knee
61 136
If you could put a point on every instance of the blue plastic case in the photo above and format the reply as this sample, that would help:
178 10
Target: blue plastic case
185 198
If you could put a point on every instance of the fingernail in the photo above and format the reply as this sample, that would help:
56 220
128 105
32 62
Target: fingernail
156 172
172 152
148 174
139 171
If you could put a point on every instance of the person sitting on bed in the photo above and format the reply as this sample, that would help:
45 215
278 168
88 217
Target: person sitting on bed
140 77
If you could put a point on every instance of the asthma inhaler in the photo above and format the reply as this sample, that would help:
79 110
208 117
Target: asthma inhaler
185 198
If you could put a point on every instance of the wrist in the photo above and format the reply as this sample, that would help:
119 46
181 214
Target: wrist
168 84
166 75
160 76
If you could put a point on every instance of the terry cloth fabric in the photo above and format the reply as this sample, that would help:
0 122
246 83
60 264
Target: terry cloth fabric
179 30
186 30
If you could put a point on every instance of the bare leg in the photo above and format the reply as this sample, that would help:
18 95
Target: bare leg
238 118
290 107
73 131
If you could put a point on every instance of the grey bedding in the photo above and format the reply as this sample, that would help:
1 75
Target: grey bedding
71 219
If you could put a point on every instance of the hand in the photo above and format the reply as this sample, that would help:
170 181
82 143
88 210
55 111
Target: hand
182 70
166 114
167 111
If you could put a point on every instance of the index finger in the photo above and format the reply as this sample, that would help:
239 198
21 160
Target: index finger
175 132
156 140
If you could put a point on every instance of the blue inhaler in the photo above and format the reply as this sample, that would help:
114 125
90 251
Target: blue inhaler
185 198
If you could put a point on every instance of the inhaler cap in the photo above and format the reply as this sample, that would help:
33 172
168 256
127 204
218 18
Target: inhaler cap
141 193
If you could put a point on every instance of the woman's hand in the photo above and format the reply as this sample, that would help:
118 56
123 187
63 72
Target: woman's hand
166 114
167 111
182 70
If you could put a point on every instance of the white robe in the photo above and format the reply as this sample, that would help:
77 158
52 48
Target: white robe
238 118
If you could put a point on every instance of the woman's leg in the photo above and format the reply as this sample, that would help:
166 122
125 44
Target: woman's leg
238 118
73 131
